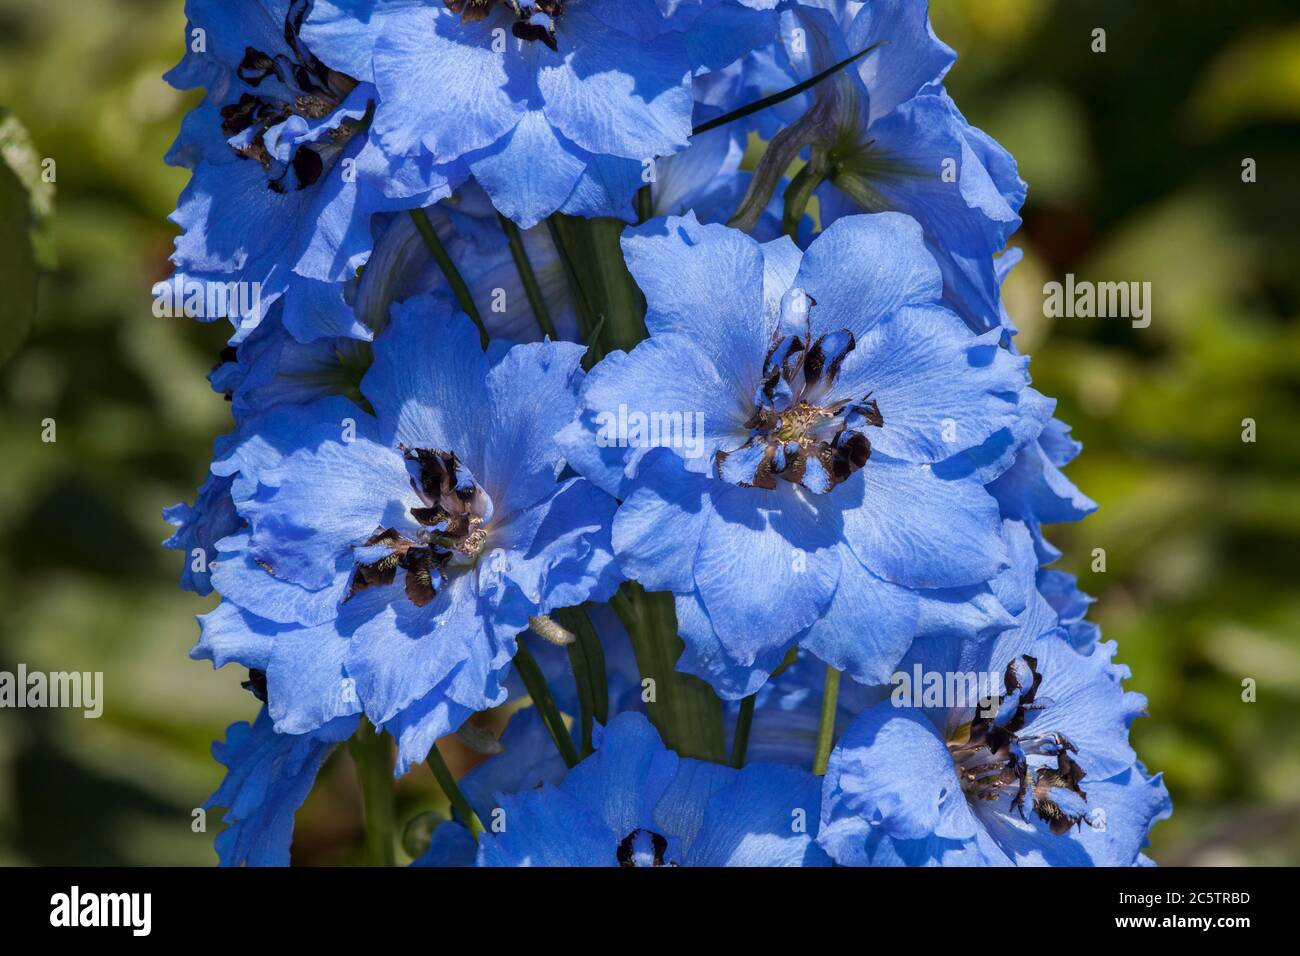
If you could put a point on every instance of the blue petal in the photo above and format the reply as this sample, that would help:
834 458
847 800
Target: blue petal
652 396
890 776
548 827
725 33
400 653
605 188
940 389
705 656
199 528
447 410
452 845
269 776
248 584
344 32
253 452
443 86
555 554
766 568
626 777
657 529
532 394
307 683
529 759
913 528
530 172
766 816
865 267
705 283
229 635
912 59
366 487
418 726
613 94
868 627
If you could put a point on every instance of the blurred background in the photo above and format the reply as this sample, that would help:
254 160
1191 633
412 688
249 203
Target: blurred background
1134 159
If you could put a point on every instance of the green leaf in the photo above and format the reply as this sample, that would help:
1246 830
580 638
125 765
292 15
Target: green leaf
18 150
18 272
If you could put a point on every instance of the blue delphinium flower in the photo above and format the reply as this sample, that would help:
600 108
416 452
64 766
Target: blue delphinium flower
1034 489
300 386
285 176
268 777
787 709
816 398
884 135
528 759
1061 591
551 104
391 560
198 529
635 803
1039 771
827 449
1028 480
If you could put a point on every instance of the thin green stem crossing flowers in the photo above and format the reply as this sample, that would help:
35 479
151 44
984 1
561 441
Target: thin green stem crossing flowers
450 272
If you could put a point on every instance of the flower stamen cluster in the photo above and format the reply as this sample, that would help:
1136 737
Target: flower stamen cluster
533 21
453 529
310 90
990 752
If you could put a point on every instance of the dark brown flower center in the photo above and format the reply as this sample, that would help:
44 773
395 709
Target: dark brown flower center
452 519
800 431
991 752
299 85
643 848
535 20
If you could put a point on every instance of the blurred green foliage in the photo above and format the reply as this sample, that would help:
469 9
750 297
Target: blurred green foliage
1134 160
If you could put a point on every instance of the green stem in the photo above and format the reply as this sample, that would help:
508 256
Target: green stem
645 204
372 753
801 189
535 681
586 702
684 709
529 278
442 773
826 726
619 299
581 302
449 270
744 722
587 658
